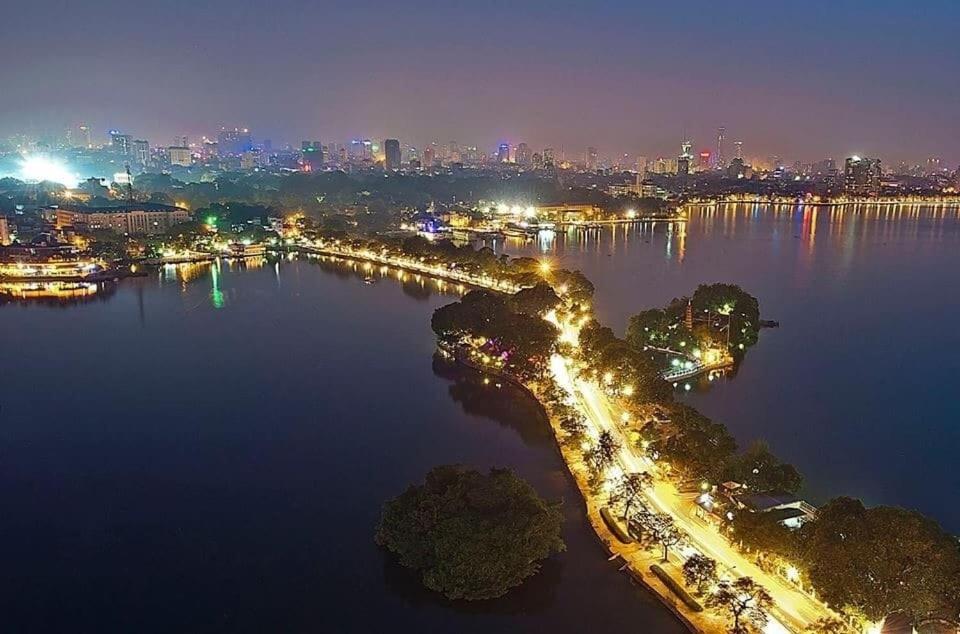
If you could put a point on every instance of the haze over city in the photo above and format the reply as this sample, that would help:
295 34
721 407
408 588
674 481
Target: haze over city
479 317
801 80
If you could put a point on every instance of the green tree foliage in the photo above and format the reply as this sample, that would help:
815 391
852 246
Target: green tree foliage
729 302
658 528
746 603
699 571
827 625
471 535
535 300
763 532
697 446
526 340
628 490
603 453
881 560
760 470
659 328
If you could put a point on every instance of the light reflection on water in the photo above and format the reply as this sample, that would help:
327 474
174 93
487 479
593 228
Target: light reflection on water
856 386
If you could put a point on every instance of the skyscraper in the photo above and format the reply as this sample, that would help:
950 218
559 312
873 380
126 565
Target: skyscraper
429 156
524 155
720 160
683 161
141 152
591 162
861 176
503 153
121 144
739 149
391 154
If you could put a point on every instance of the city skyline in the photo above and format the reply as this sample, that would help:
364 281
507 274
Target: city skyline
619 78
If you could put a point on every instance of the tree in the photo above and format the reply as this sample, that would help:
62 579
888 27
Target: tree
880 560
763 532
827 625
471 535
603 453
700 571
535 300
573 426
628 490
699 447
762 471
659 528
746 602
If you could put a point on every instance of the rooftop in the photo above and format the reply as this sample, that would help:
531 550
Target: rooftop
118 208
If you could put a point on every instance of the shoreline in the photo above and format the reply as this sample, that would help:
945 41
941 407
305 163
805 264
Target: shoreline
635 557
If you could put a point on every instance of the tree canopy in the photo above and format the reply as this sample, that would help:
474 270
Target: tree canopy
881 560
471 535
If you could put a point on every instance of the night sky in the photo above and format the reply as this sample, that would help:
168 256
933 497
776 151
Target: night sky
803 80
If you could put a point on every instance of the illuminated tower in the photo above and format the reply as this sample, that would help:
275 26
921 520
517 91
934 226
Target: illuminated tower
721 160
503 153
739 149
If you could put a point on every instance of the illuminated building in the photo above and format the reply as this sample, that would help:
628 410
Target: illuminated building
739 149
234 141
683 161
503 153
85 139
591 161
4 231
312 155
704 163
391 154
524 155
429 156
133 218
141 152
180 155
122 144
861 176
548 158
720 161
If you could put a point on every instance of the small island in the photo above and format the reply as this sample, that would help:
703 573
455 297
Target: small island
471 535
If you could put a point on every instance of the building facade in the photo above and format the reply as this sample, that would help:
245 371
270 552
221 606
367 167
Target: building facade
132 219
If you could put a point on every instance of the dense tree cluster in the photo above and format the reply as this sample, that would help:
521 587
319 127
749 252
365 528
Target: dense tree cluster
471 535
716 308
605 353
524 342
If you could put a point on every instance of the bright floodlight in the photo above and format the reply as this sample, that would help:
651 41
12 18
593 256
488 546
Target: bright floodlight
41 168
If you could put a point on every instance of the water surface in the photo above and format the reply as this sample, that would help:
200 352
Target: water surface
857 386
207 451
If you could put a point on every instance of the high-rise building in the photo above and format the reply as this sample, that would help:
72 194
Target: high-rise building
429 156
933 165
4 231
591 162
503 153
312 153
738 145
548 157
179 155
234 141
141 152
454 153
391 154
720 160
685 158
524 155
121 144
861 176
704 164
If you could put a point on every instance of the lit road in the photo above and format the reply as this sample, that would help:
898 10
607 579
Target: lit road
793 610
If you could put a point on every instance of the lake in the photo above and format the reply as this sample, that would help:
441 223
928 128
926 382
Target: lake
856 388
207 450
